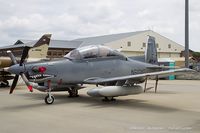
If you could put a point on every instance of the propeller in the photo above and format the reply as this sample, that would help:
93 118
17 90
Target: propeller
14 83
23 57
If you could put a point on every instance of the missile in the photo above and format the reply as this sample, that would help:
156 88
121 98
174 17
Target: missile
114 91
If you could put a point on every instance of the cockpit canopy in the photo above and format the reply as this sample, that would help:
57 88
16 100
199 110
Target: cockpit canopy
92 51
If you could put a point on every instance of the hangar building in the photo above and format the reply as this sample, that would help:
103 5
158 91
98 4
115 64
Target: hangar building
134 43
131 44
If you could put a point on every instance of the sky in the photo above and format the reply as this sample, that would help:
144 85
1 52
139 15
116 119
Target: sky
71 19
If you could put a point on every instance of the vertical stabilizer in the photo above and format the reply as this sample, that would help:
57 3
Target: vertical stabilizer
151 51
39 50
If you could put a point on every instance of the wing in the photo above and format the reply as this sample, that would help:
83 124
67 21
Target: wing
98 80
2 73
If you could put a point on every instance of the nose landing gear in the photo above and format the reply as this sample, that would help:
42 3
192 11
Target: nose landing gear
49 99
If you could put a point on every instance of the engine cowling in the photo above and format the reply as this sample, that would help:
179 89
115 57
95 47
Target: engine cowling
114 91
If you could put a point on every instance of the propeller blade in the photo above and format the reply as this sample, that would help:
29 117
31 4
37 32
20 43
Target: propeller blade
14 84
24 55
12 57
30 87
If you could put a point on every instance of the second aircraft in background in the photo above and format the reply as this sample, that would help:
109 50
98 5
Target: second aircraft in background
37 52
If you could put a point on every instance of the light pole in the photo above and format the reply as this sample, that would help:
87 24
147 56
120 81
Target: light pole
186 33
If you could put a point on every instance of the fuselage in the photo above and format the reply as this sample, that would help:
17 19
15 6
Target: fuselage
76 71
82 64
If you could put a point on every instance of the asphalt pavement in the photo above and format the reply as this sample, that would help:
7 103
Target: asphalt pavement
175 108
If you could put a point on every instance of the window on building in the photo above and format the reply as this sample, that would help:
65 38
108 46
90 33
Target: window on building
54 53
17 53
128 44
59 54
157 45
144 44
169 45
49 53
66 52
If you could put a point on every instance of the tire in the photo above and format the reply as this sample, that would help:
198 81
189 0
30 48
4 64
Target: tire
4 84
73 93
49 100
7 83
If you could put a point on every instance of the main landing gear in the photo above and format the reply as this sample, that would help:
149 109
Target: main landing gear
145 85
73 92
108 99
49 99
4 83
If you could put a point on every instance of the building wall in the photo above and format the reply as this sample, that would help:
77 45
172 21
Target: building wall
16 51
57 53
132 53
165 47
160 54
168 55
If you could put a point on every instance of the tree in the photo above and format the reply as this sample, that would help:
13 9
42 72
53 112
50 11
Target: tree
196 55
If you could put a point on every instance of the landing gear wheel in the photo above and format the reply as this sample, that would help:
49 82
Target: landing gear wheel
108 99
4 84
73 93
49 99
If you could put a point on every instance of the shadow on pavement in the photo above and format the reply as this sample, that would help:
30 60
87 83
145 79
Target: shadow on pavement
88 102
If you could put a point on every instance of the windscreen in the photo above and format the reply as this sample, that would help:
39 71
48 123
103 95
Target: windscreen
92 51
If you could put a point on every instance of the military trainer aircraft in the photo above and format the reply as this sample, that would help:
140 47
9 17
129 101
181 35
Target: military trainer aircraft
37 52
99 65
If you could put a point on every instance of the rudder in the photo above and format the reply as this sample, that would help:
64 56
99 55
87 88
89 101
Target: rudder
151 51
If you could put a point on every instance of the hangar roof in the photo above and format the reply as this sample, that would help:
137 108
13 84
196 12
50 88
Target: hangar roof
64 44
99 40
53 44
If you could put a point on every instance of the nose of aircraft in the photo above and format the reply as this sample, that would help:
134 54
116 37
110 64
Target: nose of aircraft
16 69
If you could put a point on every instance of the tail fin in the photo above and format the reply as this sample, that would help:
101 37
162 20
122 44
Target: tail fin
45 39
151 51
39 50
